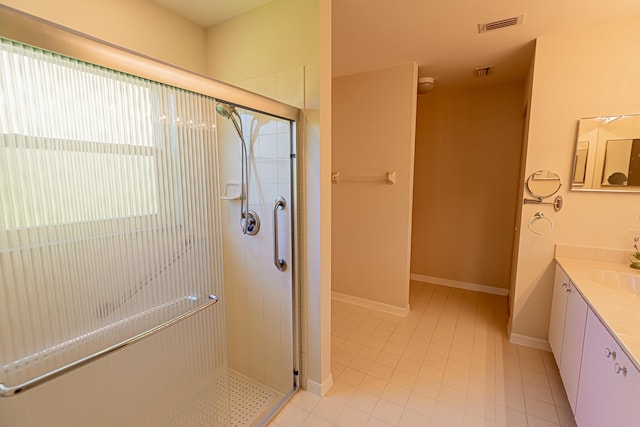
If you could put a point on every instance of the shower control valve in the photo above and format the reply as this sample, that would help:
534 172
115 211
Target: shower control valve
250 222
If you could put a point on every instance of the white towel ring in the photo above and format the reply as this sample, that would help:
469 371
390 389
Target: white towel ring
540 215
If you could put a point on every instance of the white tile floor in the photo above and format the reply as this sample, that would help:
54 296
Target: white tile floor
447 364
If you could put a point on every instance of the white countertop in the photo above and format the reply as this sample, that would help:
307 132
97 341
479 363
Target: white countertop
618 310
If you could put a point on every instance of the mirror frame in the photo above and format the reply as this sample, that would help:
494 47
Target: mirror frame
531 178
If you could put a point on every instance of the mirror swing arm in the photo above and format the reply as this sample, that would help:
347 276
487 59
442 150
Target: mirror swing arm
557 202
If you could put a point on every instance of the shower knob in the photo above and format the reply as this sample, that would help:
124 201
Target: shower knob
252 222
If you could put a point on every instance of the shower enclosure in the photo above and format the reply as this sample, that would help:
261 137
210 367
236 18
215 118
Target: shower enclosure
148 269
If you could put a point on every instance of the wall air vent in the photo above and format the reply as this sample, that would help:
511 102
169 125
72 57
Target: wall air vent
503 23
483 71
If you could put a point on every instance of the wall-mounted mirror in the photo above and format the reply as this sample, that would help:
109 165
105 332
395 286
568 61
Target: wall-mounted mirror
543 183
607 156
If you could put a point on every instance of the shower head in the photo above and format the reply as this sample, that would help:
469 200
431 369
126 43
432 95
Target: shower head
249 220
225 110
228 111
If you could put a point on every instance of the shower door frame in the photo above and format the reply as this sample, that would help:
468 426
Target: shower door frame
31 30
293 262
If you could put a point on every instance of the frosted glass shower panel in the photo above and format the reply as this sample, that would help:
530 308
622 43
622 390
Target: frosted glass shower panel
109 219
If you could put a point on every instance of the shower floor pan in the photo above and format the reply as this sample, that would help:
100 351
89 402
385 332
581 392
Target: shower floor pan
249 401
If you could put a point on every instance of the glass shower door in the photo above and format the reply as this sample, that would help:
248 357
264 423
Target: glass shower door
109 233
259 269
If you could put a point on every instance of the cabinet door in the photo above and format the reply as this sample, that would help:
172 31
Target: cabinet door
558 310
626 399
593 408
573 338
607 396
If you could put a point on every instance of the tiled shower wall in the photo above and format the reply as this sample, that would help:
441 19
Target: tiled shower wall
258 296
288 86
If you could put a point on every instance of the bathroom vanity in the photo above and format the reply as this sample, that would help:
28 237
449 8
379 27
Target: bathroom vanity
594 334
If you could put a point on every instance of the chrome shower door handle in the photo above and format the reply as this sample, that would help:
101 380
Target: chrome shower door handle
279 204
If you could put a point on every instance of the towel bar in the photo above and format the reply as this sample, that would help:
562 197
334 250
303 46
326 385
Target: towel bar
8 391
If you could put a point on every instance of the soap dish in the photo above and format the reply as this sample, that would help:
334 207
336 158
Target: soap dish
232 191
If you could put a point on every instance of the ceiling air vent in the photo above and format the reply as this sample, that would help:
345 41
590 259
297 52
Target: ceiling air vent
503 23
483 71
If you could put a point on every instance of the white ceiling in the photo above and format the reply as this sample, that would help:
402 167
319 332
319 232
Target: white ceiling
207 13
441 36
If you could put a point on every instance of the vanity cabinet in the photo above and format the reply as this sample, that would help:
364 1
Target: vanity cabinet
566 332
609 393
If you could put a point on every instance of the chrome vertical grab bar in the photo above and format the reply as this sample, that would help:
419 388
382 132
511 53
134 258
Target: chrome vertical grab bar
279 204
8 391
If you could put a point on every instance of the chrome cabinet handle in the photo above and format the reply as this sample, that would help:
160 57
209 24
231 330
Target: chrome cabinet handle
279 204
620 369
564 285
609 353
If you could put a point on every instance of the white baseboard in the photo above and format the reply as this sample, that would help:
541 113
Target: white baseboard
530 342
320 389
374 305
460 285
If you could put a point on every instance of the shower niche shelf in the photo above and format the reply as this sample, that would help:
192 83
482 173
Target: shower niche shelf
232 191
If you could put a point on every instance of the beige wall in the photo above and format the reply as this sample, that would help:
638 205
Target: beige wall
373 131
528 84
468 144
283 35
576 74
139 25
